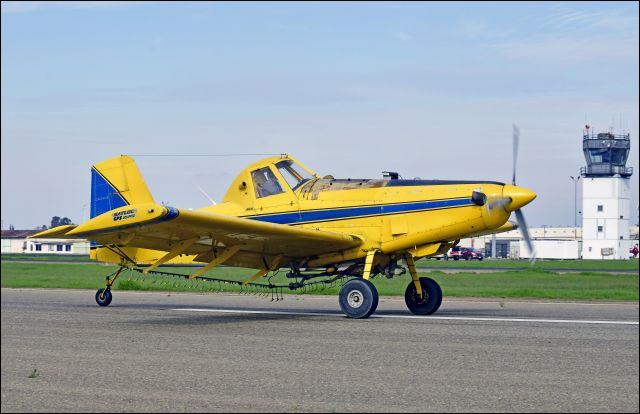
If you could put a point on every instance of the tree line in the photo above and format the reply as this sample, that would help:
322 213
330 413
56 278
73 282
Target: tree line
56 221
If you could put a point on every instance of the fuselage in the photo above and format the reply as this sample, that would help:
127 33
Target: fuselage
391 216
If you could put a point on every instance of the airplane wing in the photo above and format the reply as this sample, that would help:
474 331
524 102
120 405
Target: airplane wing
164 228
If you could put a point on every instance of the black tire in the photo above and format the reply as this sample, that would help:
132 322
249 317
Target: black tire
358 298
456 258
103 299
431 297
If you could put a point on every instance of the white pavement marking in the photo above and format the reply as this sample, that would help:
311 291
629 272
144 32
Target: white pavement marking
455 318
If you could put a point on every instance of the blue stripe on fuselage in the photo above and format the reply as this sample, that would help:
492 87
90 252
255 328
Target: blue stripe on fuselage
356 212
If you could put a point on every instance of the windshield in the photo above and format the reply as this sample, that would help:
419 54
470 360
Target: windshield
293 173
265 183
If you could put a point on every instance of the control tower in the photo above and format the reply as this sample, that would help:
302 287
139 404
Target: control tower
606 192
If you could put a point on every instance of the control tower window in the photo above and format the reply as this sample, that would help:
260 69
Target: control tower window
600 207
617 156
599 156
265 183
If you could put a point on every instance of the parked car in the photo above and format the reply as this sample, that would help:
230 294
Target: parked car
472 254
455 253
466 253
444 256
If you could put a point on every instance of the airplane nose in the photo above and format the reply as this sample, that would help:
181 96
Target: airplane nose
519 196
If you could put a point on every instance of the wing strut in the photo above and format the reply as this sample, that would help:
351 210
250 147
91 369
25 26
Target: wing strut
224 256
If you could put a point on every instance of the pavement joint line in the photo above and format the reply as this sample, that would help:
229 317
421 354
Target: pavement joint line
459 318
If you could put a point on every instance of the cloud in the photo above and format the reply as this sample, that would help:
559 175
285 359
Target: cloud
553 49
564 17
575 33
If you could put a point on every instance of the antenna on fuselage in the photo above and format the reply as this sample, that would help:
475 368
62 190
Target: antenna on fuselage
206 195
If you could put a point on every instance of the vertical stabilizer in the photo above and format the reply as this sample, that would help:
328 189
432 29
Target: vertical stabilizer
117 182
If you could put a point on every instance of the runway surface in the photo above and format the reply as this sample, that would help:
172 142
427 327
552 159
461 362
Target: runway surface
197 352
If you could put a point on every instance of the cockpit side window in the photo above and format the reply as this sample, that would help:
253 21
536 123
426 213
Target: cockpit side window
265 183
293 173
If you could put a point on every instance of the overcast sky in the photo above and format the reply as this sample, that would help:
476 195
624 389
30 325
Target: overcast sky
430 90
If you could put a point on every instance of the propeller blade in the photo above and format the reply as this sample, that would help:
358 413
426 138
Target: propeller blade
522 224
516 139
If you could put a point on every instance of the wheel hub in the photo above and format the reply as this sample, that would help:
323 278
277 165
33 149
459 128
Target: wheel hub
355 298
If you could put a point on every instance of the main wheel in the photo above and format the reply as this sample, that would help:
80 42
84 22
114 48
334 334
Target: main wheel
103 297
358 298
429 302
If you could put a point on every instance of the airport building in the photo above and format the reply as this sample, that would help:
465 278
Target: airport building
17 241
549 242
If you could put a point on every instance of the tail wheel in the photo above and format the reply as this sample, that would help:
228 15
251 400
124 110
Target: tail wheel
103 297
358 298
429 302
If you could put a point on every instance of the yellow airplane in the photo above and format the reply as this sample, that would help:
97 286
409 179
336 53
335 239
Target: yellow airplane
278 213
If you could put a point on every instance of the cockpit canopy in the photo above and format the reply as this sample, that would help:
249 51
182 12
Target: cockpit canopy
266 183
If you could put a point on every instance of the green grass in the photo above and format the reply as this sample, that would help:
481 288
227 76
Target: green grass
539 264
536 283
46 256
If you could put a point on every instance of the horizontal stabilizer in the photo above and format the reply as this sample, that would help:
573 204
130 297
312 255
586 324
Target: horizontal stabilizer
59 232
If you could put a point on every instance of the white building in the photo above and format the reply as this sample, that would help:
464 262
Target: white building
549 243
606 197
17 241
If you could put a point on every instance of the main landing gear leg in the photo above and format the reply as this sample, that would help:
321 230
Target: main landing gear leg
414 273
103 296
423 295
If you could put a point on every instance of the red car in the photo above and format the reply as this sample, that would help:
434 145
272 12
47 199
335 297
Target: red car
466 253
472 254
